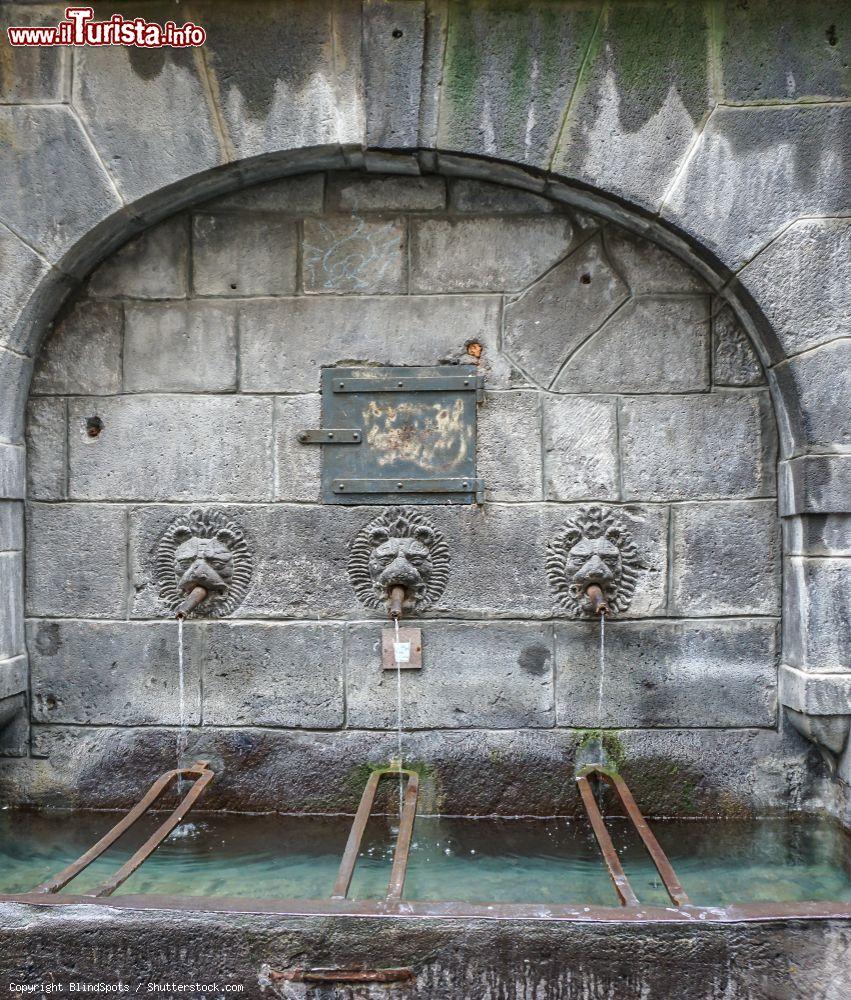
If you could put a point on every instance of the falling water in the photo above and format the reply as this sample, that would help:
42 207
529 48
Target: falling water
182 736
398 711
602 670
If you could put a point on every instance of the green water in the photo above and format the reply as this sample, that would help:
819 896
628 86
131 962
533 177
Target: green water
487 860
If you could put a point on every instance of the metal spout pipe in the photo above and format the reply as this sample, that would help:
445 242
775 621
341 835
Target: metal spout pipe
397 599
193 599
598 601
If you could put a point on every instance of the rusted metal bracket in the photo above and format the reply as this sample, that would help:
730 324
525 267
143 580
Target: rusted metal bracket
349 486
403 839
203 776
624 890
405 383
331 435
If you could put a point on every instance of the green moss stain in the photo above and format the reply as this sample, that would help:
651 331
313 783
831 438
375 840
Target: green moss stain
613 747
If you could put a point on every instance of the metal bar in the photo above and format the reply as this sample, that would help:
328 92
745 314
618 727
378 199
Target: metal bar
331 435
340 975
203 778
434 383
469 485
403 839
610 856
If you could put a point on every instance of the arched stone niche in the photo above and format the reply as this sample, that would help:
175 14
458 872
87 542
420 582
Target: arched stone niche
180 375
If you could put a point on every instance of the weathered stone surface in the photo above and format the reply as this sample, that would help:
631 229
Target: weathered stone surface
811 303
644 91
47 432
668 674
580 448
646 267
497 675
284 344
106 673
153 265
558 313
15 733
46 154
487 254
736 219
291 195
814 484
11 604
350 254
653 344
484 198
21 270
509 73
76 560
273 675
697 447
817 613
734 361
298 467
13 676
784 51
11 526
137 102
817 386
356 193
83 354
180 347
266 262
15 372
815 693
509 446
192 463
32 74
817 535
13 474
725 559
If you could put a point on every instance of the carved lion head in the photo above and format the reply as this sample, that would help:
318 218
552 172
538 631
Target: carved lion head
592 548
399 548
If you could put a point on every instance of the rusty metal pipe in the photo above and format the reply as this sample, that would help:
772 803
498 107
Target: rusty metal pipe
397 599
598 601
193 599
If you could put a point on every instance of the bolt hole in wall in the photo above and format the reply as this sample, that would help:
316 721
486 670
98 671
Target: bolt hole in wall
624 440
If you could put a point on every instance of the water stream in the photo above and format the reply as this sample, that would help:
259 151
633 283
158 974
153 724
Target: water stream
182 735
398 711
602 678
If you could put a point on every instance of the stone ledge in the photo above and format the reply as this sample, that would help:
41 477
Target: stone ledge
13 676
815 484
815 693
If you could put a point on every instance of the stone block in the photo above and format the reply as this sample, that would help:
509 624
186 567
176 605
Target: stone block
785 52
298 195
647 267
76 560
285 344
811 303
349 254
756 169
47 436
485 254
815 694
355 193
153 265
193 463
509 446
817 613
817 535
82 356
21 271
393 39
496 675
298 467
46 160
734 361
180 347
139 102
32 74
558 313
816 388
654 343
725 559
11 526
484 198
508 74
580 442
815 484
273 675
105 673
690 674
698 447
13 676
15 372
11 605
644 92
15 734
264 262
13 472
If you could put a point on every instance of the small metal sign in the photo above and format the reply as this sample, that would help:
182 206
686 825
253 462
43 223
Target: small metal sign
407 651
414 430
